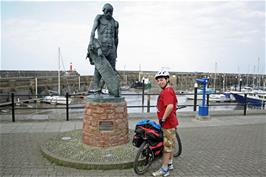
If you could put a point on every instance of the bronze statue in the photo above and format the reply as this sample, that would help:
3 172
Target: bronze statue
102 52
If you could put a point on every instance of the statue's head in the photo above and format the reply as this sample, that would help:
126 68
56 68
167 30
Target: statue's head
108 10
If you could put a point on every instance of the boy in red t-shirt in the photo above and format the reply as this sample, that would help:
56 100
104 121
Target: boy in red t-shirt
166 112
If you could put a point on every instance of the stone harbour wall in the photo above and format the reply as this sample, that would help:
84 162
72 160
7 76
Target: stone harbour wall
25 82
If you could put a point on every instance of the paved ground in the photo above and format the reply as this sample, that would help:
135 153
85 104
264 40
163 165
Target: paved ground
225 146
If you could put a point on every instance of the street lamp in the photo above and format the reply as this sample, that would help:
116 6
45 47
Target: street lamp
236 83
223 77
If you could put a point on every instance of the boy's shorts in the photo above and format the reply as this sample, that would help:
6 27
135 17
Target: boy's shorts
169 139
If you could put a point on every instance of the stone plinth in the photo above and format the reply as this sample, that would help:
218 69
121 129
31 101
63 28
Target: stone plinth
105 121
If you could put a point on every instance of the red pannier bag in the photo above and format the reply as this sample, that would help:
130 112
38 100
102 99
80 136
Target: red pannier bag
148 129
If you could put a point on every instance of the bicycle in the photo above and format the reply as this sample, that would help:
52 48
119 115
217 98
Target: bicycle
150 150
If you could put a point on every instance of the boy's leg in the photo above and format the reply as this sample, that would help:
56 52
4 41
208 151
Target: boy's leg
170 162
170 145
166 158
167 154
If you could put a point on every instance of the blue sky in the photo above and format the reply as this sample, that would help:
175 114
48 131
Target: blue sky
183 36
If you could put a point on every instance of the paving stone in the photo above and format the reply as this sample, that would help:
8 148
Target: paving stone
225 147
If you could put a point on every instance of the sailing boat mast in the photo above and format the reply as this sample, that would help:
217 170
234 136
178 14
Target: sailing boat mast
58 70
258 74
215 71
139 71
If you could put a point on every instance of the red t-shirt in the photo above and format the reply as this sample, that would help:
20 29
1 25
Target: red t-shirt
167 96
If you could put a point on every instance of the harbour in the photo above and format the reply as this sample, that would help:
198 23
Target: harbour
136 103
35 98
76 82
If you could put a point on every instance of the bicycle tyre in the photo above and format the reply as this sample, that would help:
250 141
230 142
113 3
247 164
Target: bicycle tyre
141 165
178 145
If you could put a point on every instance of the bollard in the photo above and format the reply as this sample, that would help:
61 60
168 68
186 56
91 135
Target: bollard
67 108
13 106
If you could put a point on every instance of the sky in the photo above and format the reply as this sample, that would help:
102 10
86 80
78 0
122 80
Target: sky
180 36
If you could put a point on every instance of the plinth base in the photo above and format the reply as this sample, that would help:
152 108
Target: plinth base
105 122
67 149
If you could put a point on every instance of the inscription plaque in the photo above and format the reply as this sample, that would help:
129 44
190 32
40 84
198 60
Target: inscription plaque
106 125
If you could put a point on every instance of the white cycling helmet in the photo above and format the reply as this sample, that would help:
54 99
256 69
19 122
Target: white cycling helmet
162 73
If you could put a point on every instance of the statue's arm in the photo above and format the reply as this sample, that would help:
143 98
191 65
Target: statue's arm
116 33
95 26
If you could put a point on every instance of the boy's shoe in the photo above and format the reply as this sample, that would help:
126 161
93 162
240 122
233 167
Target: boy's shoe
161 172
170 166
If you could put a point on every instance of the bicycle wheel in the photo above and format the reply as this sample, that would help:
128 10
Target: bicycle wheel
178 145
143 159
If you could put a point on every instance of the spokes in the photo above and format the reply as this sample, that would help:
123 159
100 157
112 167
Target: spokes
143 159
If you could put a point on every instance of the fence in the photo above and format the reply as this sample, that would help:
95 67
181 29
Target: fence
67 107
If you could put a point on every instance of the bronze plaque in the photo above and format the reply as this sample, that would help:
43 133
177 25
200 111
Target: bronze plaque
106 126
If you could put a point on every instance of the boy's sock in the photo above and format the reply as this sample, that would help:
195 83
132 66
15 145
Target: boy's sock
165 167
170 161
170 165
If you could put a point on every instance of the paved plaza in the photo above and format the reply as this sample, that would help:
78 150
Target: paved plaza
224 146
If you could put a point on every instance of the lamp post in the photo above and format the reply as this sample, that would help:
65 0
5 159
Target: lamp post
223 76
209 81
173 81
236 83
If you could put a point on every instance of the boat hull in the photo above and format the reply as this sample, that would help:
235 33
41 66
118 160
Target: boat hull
251 100
56 100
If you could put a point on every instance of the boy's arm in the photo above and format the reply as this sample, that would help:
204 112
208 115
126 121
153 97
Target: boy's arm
167 112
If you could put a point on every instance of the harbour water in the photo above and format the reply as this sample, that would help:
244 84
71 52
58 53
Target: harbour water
41 110
184 104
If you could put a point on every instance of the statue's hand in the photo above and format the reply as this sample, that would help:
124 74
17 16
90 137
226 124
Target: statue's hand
91 46
87 56
100 53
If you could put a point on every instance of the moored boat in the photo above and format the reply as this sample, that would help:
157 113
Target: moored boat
199 94
219 98
254 98
56 100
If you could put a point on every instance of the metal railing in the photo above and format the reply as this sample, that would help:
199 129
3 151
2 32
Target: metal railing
67 107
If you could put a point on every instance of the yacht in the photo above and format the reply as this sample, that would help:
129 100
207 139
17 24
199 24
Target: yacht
255 98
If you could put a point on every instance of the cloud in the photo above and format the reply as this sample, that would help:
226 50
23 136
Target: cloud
181 35
30 38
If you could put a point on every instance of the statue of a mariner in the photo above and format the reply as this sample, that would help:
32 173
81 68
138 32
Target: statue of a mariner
102 52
